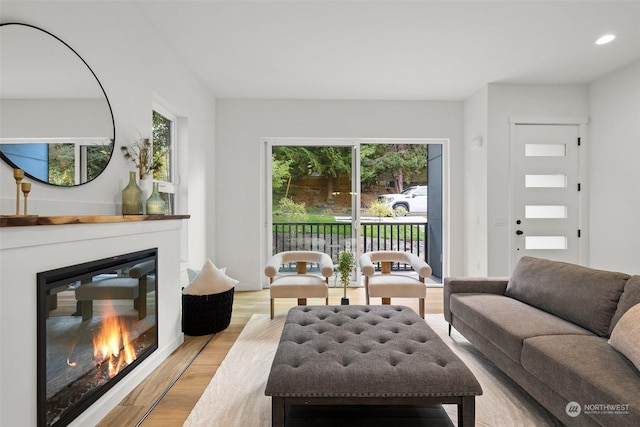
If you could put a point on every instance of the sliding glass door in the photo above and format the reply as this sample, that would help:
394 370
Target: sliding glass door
333 195
312 196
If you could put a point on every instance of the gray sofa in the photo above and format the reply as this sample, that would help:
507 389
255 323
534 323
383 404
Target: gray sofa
547 327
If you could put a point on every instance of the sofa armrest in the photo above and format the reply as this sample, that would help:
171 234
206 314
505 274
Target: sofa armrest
471 285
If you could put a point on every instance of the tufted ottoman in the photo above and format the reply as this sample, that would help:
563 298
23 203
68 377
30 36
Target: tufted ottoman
366 355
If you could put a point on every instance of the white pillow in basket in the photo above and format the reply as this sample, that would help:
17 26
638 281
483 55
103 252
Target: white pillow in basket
210 280
625 336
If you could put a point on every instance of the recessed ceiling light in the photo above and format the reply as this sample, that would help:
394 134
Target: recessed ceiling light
607 38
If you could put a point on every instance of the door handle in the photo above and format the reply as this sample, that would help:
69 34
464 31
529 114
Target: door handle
519 232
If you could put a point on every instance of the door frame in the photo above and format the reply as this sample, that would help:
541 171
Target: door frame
266 202
582 123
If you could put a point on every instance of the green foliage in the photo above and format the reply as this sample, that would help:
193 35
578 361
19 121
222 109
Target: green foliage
279 172
62 164
368 172
161 157
401 210
381 209
406 162
329 161
346 263
295 212
97 158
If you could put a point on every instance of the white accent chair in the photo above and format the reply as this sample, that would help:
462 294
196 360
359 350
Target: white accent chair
300 285
387 285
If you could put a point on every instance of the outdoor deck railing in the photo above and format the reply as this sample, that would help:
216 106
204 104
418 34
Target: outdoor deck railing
332 238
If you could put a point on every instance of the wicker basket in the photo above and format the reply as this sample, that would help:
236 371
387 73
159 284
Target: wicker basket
206 314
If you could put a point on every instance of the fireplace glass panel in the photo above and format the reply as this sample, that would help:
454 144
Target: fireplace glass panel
96 322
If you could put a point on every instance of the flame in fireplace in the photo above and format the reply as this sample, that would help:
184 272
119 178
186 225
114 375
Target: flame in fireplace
112 345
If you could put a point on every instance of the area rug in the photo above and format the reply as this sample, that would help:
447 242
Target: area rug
235 395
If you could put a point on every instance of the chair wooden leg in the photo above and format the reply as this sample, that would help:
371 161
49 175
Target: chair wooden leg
386 300
421 303
326 301
366 289
272 308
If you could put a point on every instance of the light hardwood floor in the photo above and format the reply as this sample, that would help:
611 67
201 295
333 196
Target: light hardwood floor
174 406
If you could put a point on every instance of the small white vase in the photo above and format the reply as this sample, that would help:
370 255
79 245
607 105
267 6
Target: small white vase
146 184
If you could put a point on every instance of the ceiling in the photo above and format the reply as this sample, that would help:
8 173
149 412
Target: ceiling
392 50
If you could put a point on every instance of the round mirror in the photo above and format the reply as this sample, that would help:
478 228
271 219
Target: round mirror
56 122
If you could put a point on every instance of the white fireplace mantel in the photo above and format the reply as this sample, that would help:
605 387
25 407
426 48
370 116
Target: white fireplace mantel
27 250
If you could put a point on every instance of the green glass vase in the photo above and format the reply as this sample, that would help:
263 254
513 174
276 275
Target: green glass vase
132 197
155 204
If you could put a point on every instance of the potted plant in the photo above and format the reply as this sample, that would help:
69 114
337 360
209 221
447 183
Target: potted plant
346 263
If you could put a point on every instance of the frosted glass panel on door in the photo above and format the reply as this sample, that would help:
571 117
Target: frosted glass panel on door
545 181
548 211
545 242
545 150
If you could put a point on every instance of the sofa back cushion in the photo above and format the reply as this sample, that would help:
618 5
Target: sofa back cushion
582 295
629 298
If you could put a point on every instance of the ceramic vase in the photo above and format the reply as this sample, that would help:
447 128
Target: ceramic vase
132 197
155 204
146 185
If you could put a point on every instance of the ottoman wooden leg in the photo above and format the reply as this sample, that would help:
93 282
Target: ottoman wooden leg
277 411
467 411
302 301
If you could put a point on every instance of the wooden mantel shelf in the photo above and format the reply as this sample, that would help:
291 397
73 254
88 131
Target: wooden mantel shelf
14 221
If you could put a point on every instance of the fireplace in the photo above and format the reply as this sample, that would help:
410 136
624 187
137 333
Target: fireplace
96 322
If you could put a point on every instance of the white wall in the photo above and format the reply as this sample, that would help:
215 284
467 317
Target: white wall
475 184
240 125
614 170
135 68
55 118
505 101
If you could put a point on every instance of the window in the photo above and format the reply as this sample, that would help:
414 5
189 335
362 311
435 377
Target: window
59 161
164 153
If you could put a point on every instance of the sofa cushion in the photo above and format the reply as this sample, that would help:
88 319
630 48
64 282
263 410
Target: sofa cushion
500 320
629 298
626 335
587 370
582 295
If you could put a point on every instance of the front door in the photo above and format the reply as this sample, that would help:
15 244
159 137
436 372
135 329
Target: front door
545 189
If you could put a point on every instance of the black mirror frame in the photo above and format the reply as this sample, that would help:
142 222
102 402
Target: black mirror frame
113 122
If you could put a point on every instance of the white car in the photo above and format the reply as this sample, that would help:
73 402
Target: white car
412 200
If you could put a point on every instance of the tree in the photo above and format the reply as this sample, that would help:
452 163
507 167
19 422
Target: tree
331 162
280 173
161 147
401 161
